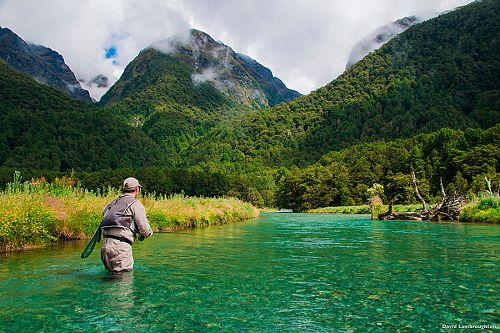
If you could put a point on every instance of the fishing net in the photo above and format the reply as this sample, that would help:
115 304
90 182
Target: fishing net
90 246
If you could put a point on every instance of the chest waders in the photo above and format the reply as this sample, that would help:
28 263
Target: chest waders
114 217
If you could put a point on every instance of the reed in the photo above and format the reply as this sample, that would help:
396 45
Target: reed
364 209
36 213
486 210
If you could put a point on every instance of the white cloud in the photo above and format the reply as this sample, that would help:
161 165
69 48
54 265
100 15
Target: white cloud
306 43
208 74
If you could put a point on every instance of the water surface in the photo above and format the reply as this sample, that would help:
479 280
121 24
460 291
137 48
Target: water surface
282 272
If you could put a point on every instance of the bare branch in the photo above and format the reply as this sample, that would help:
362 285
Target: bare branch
414 180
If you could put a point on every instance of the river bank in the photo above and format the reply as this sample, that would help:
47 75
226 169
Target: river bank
363 209
36 214
484 210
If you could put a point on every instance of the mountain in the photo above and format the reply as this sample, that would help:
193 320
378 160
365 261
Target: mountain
440 73
45 129
379 37
274 89
179 88
41 63
236 76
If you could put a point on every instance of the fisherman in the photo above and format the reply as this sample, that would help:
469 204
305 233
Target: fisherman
123 220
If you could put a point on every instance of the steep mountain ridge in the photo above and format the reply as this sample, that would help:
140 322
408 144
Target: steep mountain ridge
379 37
44 129
41 63
441 73
235 75
179 88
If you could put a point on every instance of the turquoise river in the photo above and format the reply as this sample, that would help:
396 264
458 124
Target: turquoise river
280 273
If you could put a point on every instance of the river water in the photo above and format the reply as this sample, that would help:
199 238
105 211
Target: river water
280 273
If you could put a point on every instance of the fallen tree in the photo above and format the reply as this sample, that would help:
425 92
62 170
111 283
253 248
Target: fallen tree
448 209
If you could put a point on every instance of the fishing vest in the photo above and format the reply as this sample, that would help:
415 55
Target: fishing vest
115 215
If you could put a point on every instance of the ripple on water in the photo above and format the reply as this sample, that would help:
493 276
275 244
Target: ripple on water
284 272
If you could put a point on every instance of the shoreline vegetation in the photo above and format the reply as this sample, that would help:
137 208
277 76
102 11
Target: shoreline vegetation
479 210
37 213
361 209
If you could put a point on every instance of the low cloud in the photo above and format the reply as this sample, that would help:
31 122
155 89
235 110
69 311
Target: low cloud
208 74
305 43
379 37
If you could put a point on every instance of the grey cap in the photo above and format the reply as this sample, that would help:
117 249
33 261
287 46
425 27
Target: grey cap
130 184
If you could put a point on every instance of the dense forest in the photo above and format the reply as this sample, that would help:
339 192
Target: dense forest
458 159
428 100
156 93
44 129
439 73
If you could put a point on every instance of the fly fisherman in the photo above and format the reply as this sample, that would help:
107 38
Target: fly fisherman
122 220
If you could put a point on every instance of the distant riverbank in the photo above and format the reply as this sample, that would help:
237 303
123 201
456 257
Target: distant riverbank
36 214
363 209
485 210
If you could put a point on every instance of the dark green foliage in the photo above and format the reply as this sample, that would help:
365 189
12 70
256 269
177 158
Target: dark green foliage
156 93
154 78
43 129
489 203
459 158
440 73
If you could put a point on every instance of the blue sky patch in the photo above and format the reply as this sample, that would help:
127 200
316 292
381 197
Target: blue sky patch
111 52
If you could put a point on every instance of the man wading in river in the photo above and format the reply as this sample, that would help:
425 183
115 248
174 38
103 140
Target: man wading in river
122 220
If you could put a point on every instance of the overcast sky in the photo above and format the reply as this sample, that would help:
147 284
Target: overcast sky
306 43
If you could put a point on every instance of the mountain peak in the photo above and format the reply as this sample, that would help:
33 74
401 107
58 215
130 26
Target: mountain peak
235 75
41 63
379 37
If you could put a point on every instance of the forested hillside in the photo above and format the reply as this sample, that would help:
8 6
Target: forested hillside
44 129
156 94
440 73
170 123
461 159
179 88
40 63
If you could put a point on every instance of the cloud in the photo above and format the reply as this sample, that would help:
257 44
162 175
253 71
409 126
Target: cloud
208 74
306 43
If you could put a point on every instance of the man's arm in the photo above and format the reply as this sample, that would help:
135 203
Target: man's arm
139 214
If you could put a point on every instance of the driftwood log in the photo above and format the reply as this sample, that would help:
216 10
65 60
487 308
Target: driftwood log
448 209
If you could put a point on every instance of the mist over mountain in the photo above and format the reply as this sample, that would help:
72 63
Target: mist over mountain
179 88
191 104
379 37
440 73
235 75
41 63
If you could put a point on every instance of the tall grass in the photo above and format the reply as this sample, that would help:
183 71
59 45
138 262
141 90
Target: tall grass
363 209
37 213
485 210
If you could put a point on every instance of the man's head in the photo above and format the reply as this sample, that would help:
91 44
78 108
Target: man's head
131 185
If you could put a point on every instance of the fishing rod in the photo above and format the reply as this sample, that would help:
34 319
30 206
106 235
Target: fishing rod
96 237
183 233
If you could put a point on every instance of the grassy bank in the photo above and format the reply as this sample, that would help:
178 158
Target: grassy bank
364 209
485 210
37 213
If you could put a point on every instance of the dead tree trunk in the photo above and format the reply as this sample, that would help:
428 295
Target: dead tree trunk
414 180
448 209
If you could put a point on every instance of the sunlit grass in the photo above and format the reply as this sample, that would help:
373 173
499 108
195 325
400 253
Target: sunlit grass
38 213
482 210
363 209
